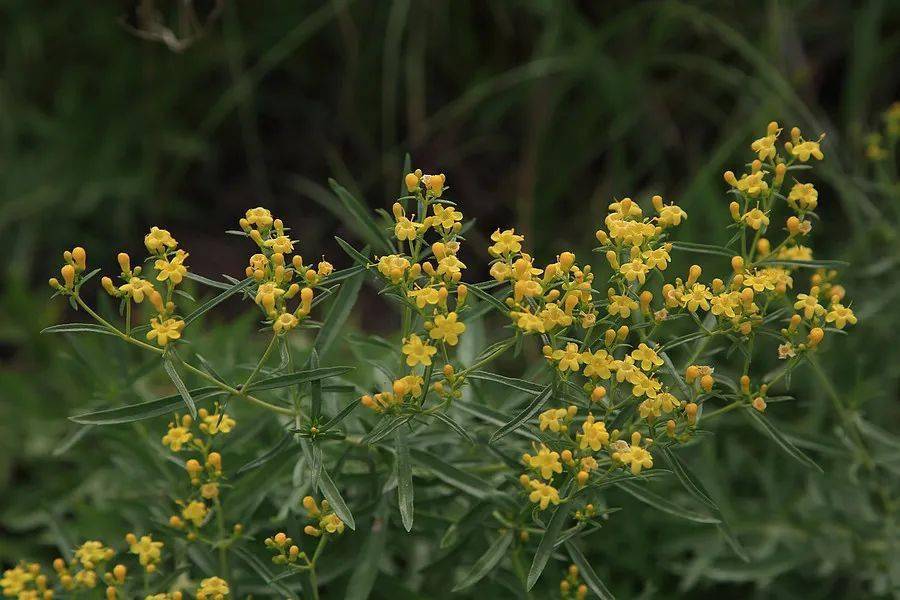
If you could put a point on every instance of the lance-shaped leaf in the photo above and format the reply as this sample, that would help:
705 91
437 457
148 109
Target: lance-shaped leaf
702 248
361 219
665 505
215 301
548 542
489 298
454 426
486 562
518 384
338 313
405 490
364 575
144 410
280 381
336 419
784 443
269 454
315 388
361 259
587 573
524 415
261 569
179 385
451 475
684 476
78 328
331 493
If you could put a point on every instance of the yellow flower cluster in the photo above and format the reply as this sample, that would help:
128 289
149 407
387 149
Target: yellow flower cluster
327 523
25 581
426 278
277 279
571 587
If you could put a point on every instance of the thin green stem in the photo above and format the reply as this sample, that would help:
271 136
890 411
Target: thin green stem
261 362
223 548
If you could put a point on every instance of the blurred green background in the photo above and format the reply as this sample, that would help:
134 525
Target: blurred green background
118 116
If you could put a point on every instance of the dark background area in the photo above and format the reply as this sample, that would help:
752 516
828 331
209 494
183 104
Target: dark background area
118 116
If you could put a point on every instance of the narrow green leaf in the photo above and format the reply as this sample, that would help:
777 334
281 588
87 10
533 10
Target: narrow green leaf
468 522
702 248
72 439
781 440
315 387
331 493
144 410
453 425
489 298
548 542
215 301
526 413
338 313
179 385
807 264
261 569
334 421
280 381
268 455
733 542
494 554
361 218
384 428
358 257
665 505
451 475
689 483
518 384
362 581
405 490
77 328
209 282
586 571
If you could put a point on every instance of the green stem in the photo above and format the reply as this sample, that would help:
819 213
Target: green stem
261 362
223 549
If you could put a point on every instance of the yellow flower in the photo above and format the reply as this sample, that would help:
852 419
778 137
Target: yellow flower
647 357
137 288
259 216
174 270
805 149
804 196
639 458
697 297
753 184
635 269
446 216
417 352
651 407
727 304
599 364
332 523
148 551
593 434
267 295
447 329
393 267
644 386
216 422
500 271
505 242
406 229
549 419
285 322
765 146
92 553
15 580
195 512
840 315
625 370
281 244
166 331
213 588
809 305
159 241
425 296
568 359
434 184
668 401
527 321
671 216
543 494
546 462
450 266
554 316
177 437
621 305
657 259
756 219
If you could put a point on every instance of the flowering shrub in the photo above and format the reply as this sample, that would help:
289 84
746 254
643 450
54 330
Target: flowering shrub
625 363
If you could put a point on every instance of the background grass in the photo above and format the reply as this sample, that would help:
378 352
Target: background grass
539 113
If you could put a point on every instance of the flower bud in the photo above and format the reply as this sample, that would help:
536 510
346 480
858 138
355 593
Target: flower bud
759 404
80 258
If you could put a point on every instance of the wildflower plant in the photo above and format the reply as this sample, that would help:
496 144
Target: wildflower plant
626 362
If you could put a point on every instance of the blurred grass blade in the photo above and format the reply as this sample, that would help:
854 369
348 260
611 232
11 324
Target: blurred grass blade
384 428
465 524
494 554
261 569
733 542
548 542
587 572
687 480
280 381
362 581
356 255
526 413
77 328
144 410
213 302
179 385
71 439
360 218
781 440
268 455
489 298
703 248
338 313
405 490
206 281
331 493
665 505
315 388
451 475
334 421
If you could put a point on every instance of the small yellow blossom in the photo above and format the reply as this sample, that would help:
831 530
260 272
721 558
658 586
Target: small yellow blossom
810 306
543 494
213 588
285 322
260 217
165 331
546 462
621 305
550 419
646 357
697 297
840 315
195 512
598 364
446 216
505 242
756 219
92 553
158 241
417 352
447 329
803 196
148 551
593 434
332 524
177 437
172 269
